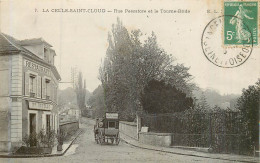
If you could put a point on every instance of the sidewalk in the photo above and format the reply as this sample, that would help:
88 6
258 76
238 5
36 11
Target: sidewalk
66 146
227 157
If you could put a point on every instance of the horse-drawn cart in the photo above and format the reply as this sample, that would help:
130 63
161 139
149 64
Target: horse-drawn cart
107 129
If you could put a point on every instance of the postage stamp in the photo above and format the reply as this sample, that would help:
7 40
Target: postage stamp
240 22
219 55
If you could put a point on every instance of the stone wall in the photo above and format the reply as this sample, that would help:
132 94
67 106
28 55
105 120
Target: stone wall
129 129
69 127
157 139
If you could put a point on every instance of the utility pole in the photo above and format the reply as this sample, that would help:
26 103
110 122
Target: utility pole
74 76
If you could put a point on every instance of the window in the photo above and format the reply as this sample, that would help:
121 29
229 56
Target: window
111 124
45 54
47 81
32 85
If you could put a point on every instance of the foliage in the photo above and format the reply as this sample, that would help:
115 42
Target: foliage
215 98
41 139
159 97
26 140
201 104
67 96
81 91
46 139
216 128
30 140
130 64
97 101
248 105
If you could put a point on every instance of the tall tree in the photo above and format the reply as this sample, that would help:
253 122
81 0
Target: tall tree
96 101
248 105
81 91
130 64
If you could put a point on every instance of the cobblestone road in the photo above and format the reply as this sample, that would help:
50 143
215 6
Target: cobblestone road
86 150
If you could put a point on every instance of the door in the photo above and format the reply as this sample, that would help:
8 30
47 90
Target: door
32 129
32 123
48 123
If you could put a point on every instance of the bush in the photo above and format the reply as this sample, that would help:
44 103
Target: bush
30 140
41 139
46 139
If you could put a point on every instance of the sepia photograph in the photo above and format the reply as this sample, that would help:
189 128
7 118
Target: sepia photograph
129 81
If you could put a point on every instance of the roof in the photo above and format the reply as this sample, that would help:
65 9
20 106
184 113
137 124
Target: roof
10 45
34 41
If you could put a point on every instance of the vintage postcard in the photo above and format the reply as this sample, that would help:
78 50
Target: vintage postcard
129 81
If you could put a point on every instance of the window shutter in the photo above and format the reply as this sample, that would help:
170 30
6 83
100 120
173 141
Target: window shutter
51 90
51 119
43 88
43 121
35 85
39 85
55 94
26 84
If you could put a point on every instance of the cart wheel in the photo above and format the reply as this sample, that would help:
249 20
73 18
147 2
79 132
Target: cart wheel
96 138
101 138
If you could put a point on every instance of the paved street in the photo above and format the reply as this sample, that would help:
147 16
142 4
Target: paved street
85 149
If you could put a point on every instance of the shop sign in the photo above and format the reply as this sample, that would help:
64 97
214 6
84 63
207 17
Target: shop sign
112 115
36 67
40 106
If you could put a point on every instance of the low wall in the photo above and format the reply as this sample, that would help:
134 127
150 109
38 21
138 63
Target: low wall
157 139
69 127
129 129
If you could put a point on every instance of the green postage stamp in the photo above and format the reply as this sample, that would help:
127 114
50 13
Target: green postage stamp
241 23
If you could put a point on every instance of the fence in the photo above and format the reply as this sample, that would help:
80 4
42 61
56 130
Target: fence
219 130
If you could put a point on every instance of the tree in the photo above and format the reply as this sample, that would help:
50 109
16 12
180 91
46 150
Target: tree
130 64
81 91
248 105
97 102
159 97
66 96
202 104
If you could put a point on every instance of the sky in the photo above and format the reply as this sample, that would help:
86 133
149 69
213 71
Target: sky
80 39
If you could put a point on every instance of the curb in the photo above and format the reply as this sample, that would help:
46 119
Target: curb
198 149
44 155
159 150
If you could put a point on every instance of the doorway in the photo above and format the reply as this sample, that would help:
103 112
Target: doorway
32 128
32 123
48 123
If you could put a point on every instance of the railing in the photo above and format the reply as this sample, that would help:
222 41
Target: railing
218 130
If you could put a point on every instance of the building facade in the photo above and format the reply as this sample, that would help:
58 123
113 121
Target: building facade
28 89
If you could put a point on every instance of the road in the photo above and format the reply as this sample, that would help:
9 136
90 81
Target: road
86 150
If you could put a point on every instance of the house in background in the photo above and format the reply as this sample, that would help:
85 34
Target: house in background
28 89
69 112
